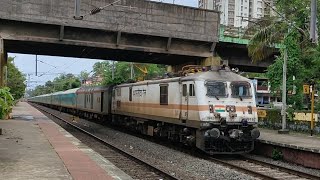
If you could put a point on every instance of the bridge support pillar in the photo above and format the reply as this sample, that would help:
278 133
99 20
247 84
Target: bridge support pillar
211 61
3 64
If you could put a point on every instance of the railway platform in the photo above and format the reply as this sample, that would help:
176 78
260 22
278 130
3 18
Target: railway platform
33 147
298 148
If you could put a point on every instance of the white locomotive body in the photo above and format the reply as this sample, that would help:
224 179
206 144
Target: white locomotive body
214 110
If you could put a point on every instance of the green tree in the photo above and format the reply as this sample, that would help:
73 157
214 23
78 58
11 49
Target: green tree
291 30
100 68
123 72
84 75
6 102
16 80
60 83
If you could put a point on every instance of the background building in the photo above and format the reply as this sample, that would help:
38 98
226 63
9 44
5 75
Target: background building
238 13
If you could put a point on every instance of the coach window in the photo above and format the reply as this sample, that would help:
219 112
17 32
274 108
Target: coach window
163 94
130 94
91 99
184 90
191 90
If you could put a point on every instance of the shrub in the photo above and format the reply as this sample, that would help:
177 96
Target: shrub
6 102
276 154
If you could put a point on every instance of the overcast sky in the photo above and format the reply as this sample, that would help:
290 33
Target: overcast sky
50 67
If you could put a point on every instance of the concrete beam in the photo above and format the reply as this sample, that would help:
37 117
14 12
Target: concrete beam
145 18
61 33
33 38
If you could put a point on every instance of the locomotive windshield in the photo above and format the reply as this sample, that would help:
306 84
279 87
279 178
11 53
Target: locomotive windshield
215 89
240 89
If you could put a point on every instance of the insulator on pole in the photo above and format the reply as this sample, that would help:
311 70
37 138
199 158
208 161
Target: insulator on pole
95 11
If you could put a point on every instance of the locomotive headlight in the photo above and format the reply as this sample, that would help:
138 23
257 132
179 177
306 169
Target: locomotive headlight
228 108
211 108
233 108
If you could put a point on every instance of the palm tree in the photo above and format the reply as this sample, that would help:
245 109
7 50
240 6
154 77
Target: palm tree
272 30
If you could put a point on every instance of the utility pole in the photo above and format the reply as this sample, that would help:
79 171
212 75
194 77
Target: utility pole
313 22
77 10
36 65
312 106
284 129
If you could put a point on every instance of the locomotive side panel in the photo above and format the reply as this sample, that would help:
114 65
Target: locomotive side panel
96 102
158 101
80 100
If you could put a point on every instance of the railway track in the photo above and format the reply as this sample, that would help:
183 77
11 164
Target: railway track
133 166
259 169
263 170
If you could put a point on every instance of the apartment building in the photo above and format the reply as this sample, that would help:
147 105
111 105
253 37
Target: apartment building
238 13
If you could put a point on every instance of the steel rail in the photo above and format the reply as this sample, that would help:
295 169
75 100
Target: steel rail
283 169
242 169
153 168
268 176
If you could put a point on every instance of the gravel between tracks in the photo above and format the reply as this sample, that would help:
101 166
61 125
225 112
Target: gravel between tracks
179 164
285 164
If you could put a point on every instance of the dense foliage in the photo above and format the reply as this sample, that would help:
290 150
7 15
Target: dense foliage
6 102
122 73
290 27
60 83
16 80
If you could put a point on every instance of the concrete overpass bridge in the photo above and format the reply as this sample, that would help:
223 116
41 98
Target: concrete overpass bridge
232 48
149 32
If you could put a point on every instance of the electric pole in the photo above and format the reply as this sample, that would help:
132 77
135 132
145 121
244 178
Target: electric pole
284 129
36 65
313 22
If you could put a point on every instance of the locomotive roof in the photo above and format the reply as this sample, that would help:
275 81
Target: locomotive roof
93 88
216 75
69 91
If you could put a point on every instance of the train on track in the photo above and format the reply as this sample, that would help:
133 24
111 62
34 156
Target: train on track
213 109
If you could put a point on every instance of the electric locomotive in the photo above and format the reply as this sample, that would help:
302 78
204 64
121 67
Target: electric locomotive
213 110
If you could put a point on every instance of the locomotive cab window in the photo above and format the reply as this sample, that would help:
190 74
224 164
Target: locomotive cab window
184 90
191 90
163 94
240 89
216 89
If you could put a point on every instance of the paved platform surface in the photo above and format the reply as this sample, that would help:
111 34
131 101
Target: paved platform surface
34 147
292 140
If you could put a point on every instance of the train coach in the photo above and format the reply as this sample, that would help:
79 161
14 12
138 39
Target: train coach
213 110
